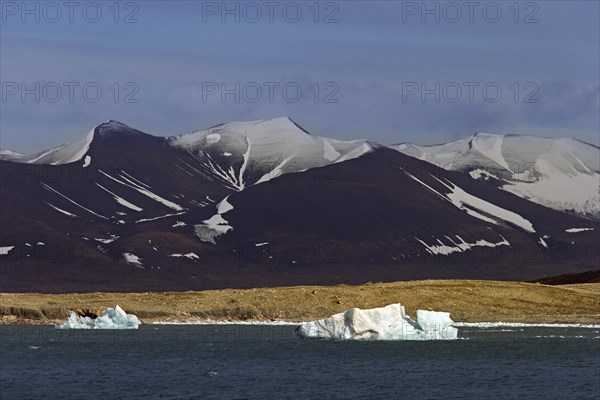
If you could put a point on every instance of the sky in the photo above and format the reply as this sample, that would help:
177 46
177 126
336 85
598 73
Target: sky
389 71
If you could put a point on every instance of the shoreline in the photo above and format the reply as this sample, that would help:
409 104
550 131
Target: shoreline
468 301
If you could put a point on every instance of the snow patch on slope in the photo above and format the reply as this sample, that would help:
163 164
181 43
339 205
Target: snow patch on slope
577 230
491 147
60 210
131 258
210 229
4 250
257 151
458 246
329 152
143 190
121 200
49 188
472 204
561 173
191 255
476 207
64 154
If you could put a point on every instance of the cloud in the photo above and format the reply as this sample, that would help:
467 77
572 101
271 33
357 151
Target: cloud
365 59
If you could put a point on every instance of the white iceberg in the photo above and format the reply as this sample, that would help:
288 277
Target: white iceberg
385 323
111 318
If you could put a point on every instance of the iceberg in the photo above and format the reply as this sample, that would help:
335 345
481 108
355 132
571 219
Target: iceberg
111 318
385 323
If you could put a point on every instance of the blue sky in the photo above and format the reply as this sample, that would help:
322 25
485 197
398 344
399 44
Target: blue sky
372 63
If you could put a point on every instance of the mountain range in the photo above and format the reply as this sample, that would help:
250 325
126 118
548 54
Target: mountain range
265 203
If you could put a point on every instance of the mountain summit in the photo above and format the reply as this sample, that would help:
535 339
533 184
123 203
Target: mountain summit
561 173
246 204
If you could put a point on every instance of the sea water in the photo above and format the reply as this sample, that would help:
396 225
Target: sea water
270 362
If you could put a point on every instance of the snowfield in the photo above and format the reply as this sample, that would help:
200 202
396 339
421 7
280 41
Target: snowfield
240 154
562 173
476 207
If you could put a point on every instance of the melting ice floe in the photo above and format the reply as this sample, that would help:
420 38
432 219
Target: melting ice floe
111 318
385 323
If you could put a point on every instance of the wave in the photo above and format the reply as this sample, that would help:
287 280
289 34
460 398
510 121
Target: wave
258 323
520 325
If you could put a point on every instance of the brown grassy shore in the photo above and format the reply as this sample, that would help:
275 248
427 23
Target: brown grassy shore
466 300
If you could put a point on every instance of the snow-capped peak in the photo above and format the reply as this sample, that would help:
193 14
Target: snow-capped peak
6 152
114 127
67 153
9 155
72 151
561 173
249 152
279 126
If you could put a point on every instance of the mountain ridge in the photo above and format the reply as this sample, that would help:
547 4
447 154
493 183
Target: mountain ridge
264 203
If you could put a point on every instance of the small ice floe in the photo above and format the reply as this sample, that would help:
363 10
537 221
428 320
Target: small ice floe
111 318
385 323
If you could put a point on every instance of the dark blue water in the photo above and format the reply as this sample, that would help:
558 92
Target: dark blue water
269 362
